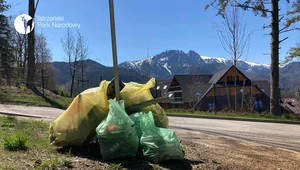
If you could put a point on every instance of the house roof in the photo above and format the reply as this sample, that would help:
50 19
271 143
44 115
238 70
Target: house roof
263 85
193 86
219 75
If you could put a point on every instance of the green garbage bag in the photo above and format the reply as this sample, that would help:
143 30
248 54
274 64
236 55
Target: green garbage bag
159 144
136 120
116 133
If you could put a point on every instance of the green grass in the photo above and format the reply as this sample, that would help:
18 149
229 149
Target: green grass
67 164
15 142
263 116
115 166
23 140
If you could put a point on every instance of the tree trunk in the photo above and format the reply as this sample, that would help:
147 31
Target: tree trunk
274 96
31 60
0 70
72 86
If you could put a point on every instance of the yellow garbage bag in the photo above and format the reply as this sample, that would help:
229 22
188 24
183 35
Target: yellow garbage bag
134 93
76 126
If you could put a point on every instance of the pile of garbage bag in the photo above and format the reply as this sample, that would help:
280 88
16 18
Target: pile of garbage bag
92 113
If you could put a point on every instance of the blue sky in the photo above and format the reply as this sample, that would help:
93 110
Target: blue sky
157 24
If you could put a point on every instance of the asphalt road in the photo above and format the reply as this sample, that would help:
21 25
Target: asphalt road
286 136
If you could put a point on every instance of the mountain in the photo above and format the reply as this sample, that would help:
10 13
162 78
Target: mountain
171 62
288 75
94 72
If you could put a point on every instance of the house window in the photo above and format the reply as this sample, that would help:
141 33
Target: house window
157 88
217 93
229 78
165 87
237 78
211 106
258 104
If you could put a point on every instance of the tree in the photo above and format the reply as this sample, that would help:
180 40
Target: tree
31 46
293 18
20 53
68 45
45 73
259 7
6 58
82 53
232 33
233 37
30 83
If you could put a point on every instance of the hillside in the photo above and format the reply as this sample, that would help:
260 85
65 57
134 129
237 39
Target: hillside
94 72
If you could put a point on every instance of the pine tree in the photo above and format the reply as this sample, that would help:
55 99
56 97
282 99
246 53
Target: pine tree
5 46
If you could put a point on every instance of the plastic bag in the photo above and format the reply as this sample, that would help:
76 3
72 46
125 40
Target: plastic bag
136 120
135 93
116 134
159 144
76 126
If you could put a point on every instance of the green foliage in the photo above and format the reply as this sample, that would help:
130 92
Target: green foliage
257 6
293 53
15 142
3 6
115 166
293 14
67 164
52 163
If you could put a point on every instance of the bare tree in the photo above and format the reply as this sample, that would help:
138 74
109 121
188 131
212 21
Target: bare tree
82 50
232 33
45 74
68 45
19 43
233 37
260 7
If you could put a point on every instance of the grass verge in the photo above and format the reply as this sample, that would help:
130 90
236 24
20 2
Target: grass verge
34 97
36 152
283 117
24 143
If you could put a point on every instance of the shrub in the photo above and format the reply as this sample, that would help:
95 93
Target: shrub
67 164
15 142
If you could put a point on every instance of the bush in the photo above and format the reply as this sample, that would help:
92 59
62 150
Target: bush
15 142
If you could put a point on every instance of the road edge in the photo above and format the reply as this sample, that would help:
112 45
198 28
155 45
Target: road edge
233 118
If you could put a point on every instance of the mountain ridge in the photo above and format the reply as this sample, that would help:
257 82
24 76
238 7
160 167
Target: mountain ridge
176 62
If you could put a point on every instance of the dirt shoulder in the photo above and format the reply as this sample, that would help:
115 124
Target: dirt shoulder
224 153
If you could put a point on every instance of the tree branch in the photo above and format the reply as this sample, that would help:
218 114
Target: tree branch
283 39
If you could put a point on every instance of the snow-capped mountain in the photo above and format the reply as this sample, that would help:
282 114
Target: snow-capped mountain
171 62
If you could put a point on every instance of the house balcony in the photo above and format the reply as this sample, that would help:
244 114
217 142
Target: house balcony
174 88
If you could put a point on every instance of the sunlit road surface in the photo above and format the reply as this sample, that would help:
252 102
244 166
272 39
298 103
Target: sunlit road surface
286 136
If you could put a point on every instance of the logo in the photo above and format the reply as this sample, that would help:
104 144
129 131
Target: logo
24 24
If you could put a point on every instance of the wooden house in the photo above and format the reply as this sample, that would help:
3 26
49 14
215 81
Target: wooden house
230 89
186 90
